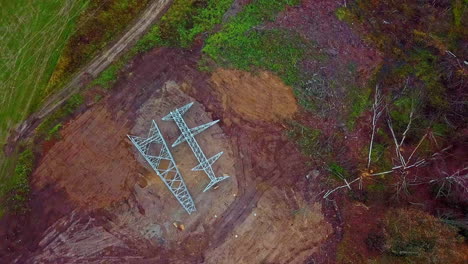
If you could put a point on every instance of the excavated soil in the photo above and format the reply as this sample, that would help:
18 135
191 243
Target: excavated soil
262 96
90 165
275 232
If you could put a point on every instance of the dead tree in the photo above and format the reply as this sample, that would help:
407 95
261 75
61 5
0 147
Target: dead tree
377 110
401 164
459 179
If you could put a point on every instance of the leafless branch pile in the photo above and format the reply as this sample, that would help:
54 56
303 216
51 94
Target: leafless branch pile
403 163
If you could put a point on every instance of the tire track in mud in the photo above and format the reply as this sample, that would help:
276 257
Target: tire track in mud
254 180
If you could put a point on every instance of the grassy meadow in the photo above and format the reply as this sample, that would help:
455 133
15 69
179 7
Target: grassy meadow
43 44
32 36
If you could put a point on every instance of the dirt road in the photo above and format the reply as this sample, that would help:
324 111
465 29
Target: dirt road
153 12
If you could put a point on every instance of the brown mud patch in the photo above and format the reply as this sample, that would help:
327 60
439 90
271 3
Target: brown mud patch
281 222
90 162
261 96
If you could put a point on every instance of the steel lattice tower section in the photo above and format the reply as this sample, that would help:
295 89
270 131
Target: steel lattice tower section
188 134
170 176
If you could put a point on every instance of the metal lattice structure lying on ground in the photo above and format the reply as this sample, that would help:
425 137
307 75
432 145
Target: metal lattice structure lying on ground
171 175
188 134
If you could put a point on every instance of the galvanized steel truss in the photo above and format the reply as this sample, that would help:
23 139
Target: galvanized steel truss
188 134
170 176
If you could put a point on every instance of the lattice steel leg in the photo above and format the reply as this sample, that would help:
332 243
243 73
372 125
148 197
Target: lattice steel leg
170 176
188 134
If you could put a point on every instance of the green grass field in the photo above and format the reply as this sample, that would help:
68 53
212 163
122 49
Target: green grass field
32 37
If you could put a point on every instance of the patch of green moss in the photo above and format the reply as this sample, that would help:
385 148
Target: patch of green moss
108 77
338 172
344 14
279 51
54 132
400 113
307 138
360 102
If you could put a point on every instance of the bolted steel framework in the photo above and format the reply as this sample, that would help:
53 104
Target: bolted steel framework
188 134
171 175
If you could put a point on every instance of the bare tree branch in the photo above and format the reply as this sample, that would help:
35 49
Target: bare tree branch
458 178
348 185
407 126
416 148
376 113
397 146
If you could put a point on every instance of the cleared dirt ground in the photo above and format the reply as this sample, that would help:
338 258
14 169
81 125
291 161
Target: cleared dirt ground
114 208
95 200
255 97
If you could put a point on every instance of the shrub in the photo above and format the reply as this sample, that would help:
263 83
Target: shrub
424 65
306 137
50 124
54 132
99 24
418 52
338 172
360 102
107 78
183 22
376 241
417 237
242 45
400 113
14 191
343 14
150 40
97 98
458 7
73 103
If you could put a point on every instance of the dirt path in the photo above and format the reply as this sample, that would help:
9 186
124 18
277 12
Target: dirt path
154 10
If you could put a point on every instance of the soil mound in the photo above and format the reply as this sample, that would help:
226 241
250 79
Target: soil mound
91 162
261 96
